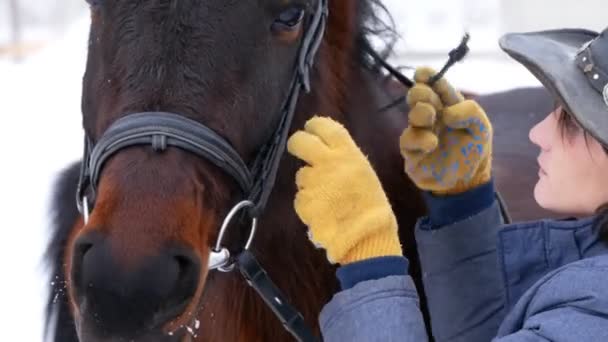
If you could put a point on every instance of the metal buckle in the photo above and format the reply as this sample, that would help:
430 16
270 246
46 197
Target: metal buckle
219 257
605 92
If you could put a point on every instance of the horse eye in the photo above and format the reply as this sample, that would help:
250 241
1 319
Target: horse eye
289 19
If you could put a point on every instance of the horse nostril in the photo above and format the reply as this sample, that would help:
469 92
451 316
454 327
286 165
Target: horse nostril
187 279
81 247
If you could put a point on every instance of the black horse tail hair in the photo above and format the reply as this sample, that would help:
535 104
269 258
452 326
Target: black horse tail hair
59 324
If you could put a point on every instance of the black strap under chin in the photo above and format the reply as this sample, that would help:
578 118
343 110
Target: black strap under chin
258 279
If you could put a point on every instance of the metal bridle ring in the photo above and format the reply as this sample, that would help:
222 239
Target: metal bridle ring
240 206
219 257
85 209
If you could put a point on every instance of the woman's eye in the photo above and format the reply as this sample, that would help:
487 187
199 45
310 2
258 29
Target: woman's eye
289 19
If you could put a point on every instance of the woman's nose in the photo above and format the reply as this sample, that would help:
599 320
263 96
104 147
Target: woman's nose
541 134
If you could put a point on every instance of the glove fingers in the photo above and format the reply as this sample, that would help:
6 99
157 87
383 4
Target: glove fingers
448 94
304 177
467 115
307 147
313 214
423 115
423 93
302 204
332 133
424 74
417 140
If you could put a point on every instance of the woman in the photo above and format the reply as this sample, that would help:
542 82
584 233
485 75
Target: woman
538 281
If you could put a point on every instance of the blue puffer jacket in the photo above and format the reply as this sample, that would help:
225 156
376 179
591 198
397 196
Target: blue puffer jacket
484 281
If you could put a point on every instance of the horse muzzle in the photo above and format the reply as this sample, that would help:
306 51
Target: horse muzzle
117 302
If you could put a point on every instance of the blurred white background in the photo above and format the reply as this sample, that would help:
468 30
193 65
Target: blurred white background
42 55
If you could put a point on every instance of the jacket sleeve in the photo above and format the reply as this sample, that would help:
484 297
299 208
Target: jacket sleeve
568 305
379 302
461 275
385 309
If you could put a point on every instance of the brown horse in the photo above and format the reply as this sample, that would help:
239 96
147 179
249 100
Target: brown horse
137 269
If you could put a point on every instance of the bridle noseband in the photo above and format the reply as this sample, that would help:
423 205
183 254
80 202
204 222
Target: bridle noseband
159 130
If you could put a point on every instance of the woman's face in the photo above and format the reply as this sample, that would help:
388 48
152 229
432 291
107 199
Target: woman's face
573 173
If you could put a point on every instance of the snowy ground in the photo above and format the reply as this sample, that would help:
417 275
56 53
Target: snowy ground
40 134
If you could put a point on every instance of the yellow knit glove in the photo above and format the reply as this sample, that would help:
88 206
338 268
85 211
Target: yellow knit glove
447 146
339 196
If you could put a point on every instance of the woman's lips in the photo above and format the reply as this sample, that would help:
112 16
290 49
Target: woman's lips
541 170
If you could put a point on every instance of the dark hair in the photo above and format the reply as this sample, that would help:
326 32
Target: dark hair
378 25
569 127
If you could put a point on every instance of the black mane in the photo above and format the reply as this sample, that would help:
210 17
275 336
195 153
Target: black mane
375 23
64 214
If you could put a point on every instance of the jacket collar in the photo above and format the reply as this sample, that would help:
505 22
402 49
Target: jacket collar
528 251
